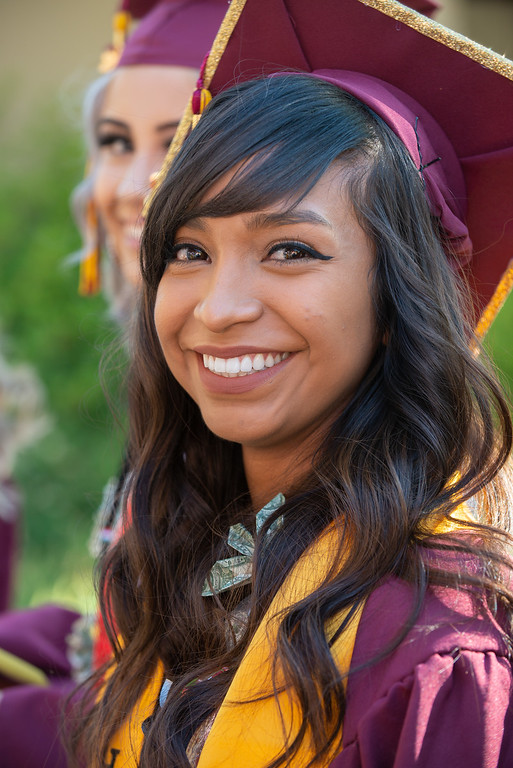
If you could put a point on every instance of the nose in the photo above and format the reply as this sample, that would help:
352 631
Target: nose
228 298
135 182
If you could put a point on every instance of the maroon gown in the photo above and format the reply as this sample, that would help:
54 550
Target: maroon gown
31 717
442 699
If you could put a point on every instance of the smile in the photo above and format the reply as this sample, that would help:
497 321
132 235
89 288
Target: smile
243 366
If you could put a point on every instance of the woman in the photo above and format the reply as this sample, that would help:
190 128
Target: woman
313 570
130 116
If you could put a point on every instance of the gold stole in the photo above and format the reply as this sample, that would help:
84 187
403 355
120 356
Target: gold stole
125 747
245 732
253 733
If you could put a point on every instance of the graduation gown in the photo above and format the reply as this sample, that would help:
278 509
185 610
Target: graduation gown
441 698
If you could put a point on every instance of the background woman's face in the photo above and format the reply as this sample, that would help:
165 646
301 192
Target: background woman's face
267 319
139 115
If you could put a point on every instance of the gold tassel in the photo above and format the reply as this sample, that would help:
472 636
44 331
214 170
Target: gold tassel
89 279
493 307
120 25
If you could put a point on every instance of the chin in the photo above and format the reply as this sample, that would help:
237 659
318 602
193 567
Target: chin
235 433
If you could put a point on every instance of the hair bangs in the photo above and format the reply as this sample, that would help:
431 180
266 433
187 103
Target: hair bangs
268 144
260 183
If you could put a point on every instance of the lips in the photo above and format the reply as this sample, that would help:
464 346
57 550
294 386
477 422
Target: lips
262 368
243 365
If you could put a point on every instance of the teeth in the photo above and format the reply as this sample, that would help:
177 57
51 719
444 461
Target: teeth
246 366
233 365
258 362
242 366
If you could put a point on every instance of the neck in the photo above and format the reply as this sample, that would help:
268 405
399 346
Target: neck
269 472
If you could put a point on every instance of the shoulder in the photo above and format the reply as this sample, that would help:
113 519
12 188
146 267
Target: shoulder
442 697
449 619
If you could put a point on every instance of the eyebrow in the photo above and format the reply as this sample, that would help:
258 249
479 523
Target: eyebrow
111 121
282 218
267 220
166 126
120 124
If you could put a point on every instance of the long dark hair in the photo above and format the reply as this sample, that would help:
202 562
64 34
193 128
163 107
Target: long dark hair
427 429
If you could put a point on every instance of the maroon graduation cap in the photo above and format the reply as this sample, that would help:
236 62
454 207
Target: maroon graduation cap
170 32
449 99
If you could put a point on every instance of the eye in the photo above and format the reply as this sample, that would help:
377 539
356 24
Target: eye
292 251
185 253
115 144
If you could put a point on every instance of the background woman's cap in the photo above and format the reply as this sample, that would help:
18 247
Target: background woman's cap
170 33
175 33
443 95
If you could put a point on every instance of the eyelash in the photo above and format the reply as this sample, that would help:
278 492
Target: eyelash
311 253
171 257
293 245
109 140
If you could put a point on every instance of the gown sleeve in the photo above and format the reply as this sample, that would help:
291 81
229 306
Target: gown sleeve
442 698
452 710
31 716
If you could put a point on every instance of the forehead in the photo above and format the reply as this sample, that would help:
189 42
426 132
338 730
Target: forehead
325 209
147 93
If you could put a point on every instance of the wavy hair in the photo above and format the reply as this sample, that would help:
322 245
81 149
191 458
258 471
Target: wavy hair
427 429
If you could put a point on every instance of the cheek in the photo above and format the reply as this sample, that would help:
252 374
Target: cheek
106 182
347 330
170 316
162 316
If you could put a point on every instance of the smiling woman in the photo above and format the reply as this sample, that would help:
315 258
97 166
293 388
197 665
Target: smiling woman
251 287
133 133
130 117
315 568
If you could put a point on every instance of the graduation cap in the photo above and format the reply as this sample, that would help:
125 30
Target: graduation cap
174 33
170 32
450 100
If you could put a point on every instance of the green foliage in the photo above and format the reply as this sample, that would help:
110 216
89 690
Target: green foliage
45 323
499 342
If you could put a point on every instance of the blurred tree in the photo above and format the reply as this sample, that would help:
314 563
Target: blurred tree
46 323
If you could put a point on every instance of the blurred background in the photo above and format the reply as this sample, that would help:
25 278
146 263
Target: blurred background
48 54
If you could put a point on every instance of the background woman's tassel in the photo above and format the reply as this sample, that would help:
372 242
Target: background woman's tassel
89 280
